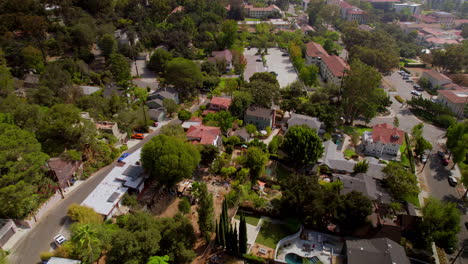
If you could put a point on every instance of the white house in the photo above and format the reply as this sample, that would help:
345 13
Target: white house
384 140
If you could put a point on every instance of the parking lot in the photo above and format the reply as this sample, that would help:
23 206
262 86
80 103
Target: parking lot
282 66
402 87
253 65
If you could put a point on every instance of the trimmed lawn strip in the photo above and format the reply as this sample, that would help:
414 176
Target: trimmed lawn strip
271 233
249 219
349 130
348 153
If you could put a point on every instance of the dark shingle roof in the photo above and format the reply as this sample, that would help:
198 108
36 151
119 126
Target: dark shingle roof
259 112
377 250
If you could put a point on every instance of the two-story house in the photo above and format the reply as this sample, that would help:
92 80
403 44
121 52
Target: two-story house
205 135
384 140
260 117
222 56
218 104
155 99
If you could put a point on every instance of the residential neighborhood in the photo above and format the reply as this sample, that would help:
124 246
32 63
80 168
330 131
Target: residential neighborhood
209 131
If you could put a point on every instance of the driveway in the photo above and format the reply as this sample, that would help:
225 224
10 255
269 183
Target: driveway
282 66
253 65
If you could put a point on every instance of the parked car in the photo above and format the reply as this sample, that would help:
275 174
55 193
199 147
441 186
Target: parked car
445 161
156 124
138 136
424 158
284 55
59 240
258 60
433 99
452 181
418 88
409 81
441 154
414 92
274 73
405 78
123 157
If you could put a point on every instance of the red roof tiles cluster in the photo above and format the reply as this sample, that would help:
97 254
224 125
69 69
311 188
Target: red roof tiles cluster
336 65
386 133
203 134
455 96
221 102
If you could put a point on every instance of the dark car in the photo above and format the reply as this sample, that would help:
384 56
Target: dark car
441 154
445 161
284 55
258 60
274 73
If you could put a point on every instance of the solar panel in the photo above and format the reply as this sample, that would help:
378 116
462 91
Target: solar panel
113 196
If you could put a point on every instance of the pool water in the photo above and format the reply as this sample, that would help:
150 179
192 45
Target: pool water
292 258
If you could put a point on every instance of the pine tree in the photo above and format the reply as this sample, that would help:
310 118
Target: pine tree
242 235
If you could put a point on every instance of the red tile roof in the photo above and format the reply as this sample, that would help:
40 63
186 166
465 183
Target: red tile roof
268 8
386 133
336 65
455 96
221 102
203 134
344 4
221 55
437 75
315 50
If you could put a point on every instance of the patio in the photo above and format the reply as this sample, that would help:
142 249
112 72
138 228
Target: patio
310 244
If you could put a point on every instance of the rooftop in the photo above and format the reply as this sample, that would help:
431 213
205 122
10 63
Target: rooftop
256 111
365 184
455 96
63 169
437 75
377 250
87 90
111 189
297 119
315 50
220 55
204 134
267 8
336 65
386 134
55 260
221 101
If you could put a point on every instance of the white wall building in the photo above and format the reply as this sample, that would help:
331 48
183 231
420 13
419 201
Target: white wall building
384 140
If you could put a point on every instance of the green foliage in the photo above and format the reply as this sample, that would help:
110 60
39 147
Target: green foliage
440 115
275 143
240 102
87 245
159 60
184 115
120 68
421 146
242 235
309 75
83 215
3 257
361 167
452 58
441 223
32 59
353 209
168 159
108 45
158 260
401 182
254 259
264 89
72 155
204 209
208 154
185 75
221 119
457 141
251 129
184 205
130 200
173 130
302 145
22 170
255 160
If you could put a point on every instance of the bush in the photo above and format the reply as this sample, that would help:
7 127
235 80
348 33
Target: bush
254 259
83 214
123 148
184 205
129 200
46 255
184 115
399 99
445 121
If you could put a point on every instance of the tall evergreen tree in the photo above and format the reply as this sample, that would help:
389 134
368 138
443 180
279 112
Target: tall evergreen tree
242 235
235 243
218 241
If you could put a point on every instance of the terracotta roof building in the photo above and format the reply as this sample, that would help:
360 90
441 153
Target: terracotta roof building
204 135
262 12
332 68
315 52
220 103
384 140
456 100
436 78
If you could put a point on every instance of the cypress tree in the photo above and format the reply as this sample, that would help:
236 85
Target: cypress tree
235 246
218 242
229 239
242 235
222 234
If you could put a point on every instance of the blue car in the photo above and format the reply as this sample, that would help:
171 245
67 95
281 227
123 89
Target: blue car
123 157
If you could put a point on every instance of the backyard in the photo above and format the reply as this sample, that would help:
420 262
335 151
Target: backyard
249 219
272 232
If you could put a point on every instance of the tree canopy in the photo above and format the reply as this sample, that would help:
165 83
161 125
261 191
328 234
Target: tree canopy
302 145
185 75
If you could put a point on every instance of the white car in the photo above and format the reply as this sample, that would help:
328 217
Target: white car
414 92
59 240
452 181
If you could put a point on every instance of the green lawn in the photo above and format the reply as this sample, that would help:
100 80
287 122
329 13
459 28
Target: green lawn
252 19
349 152
270 234
404 155
221 84
349 130
250 219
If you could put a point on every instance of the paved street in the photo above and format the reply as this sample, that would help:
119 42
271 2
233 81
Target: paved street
40 238
402 87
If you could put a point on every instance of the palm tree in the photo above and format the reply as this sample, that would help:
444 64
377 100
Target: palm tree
86 242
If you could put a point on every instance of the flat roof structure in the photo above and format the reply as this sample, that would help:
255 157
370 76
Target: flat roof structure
111 189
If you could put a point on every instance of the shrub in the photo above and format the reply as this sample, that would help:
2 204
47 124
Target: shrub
254 259
445 121
184 205
184 115
399 99
123 148
46 255
129 200
83 214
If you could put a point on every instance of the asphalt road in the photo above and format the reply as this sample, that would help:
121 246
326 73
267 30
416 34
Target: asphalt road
39 239
253 65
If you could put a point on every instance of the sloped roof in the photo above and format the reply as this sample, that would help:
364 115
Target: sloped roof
386 134
221 101
203 134
437 75
63 169
256 111
336 65
298 119
364 184
220 55
455 96
315 50
377 250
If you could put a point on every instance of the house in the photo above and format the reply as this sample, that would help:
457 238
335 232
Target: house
152 85
456 100
222 56
158 114
88 90
155 99
436 79
64 171
298 120
349 12
7 230
260 117
193 121
205 135
377 250
113 129
129 175
31 80
332 68
443 18
335 161
219 104
365 184
124 38
55 260
262 12
242 134
414 9
112 89
383 140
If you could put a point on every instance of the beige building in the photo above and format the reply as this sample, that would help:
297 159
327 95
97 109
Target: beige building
332 68
455 100
436 79
262 12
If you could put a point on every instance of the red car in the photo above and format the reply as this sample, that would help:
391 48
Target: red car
445 161
156 124
138 136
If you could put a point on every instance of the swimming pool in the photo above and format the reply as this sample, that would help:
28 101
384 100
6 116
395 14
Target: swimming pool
292 258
